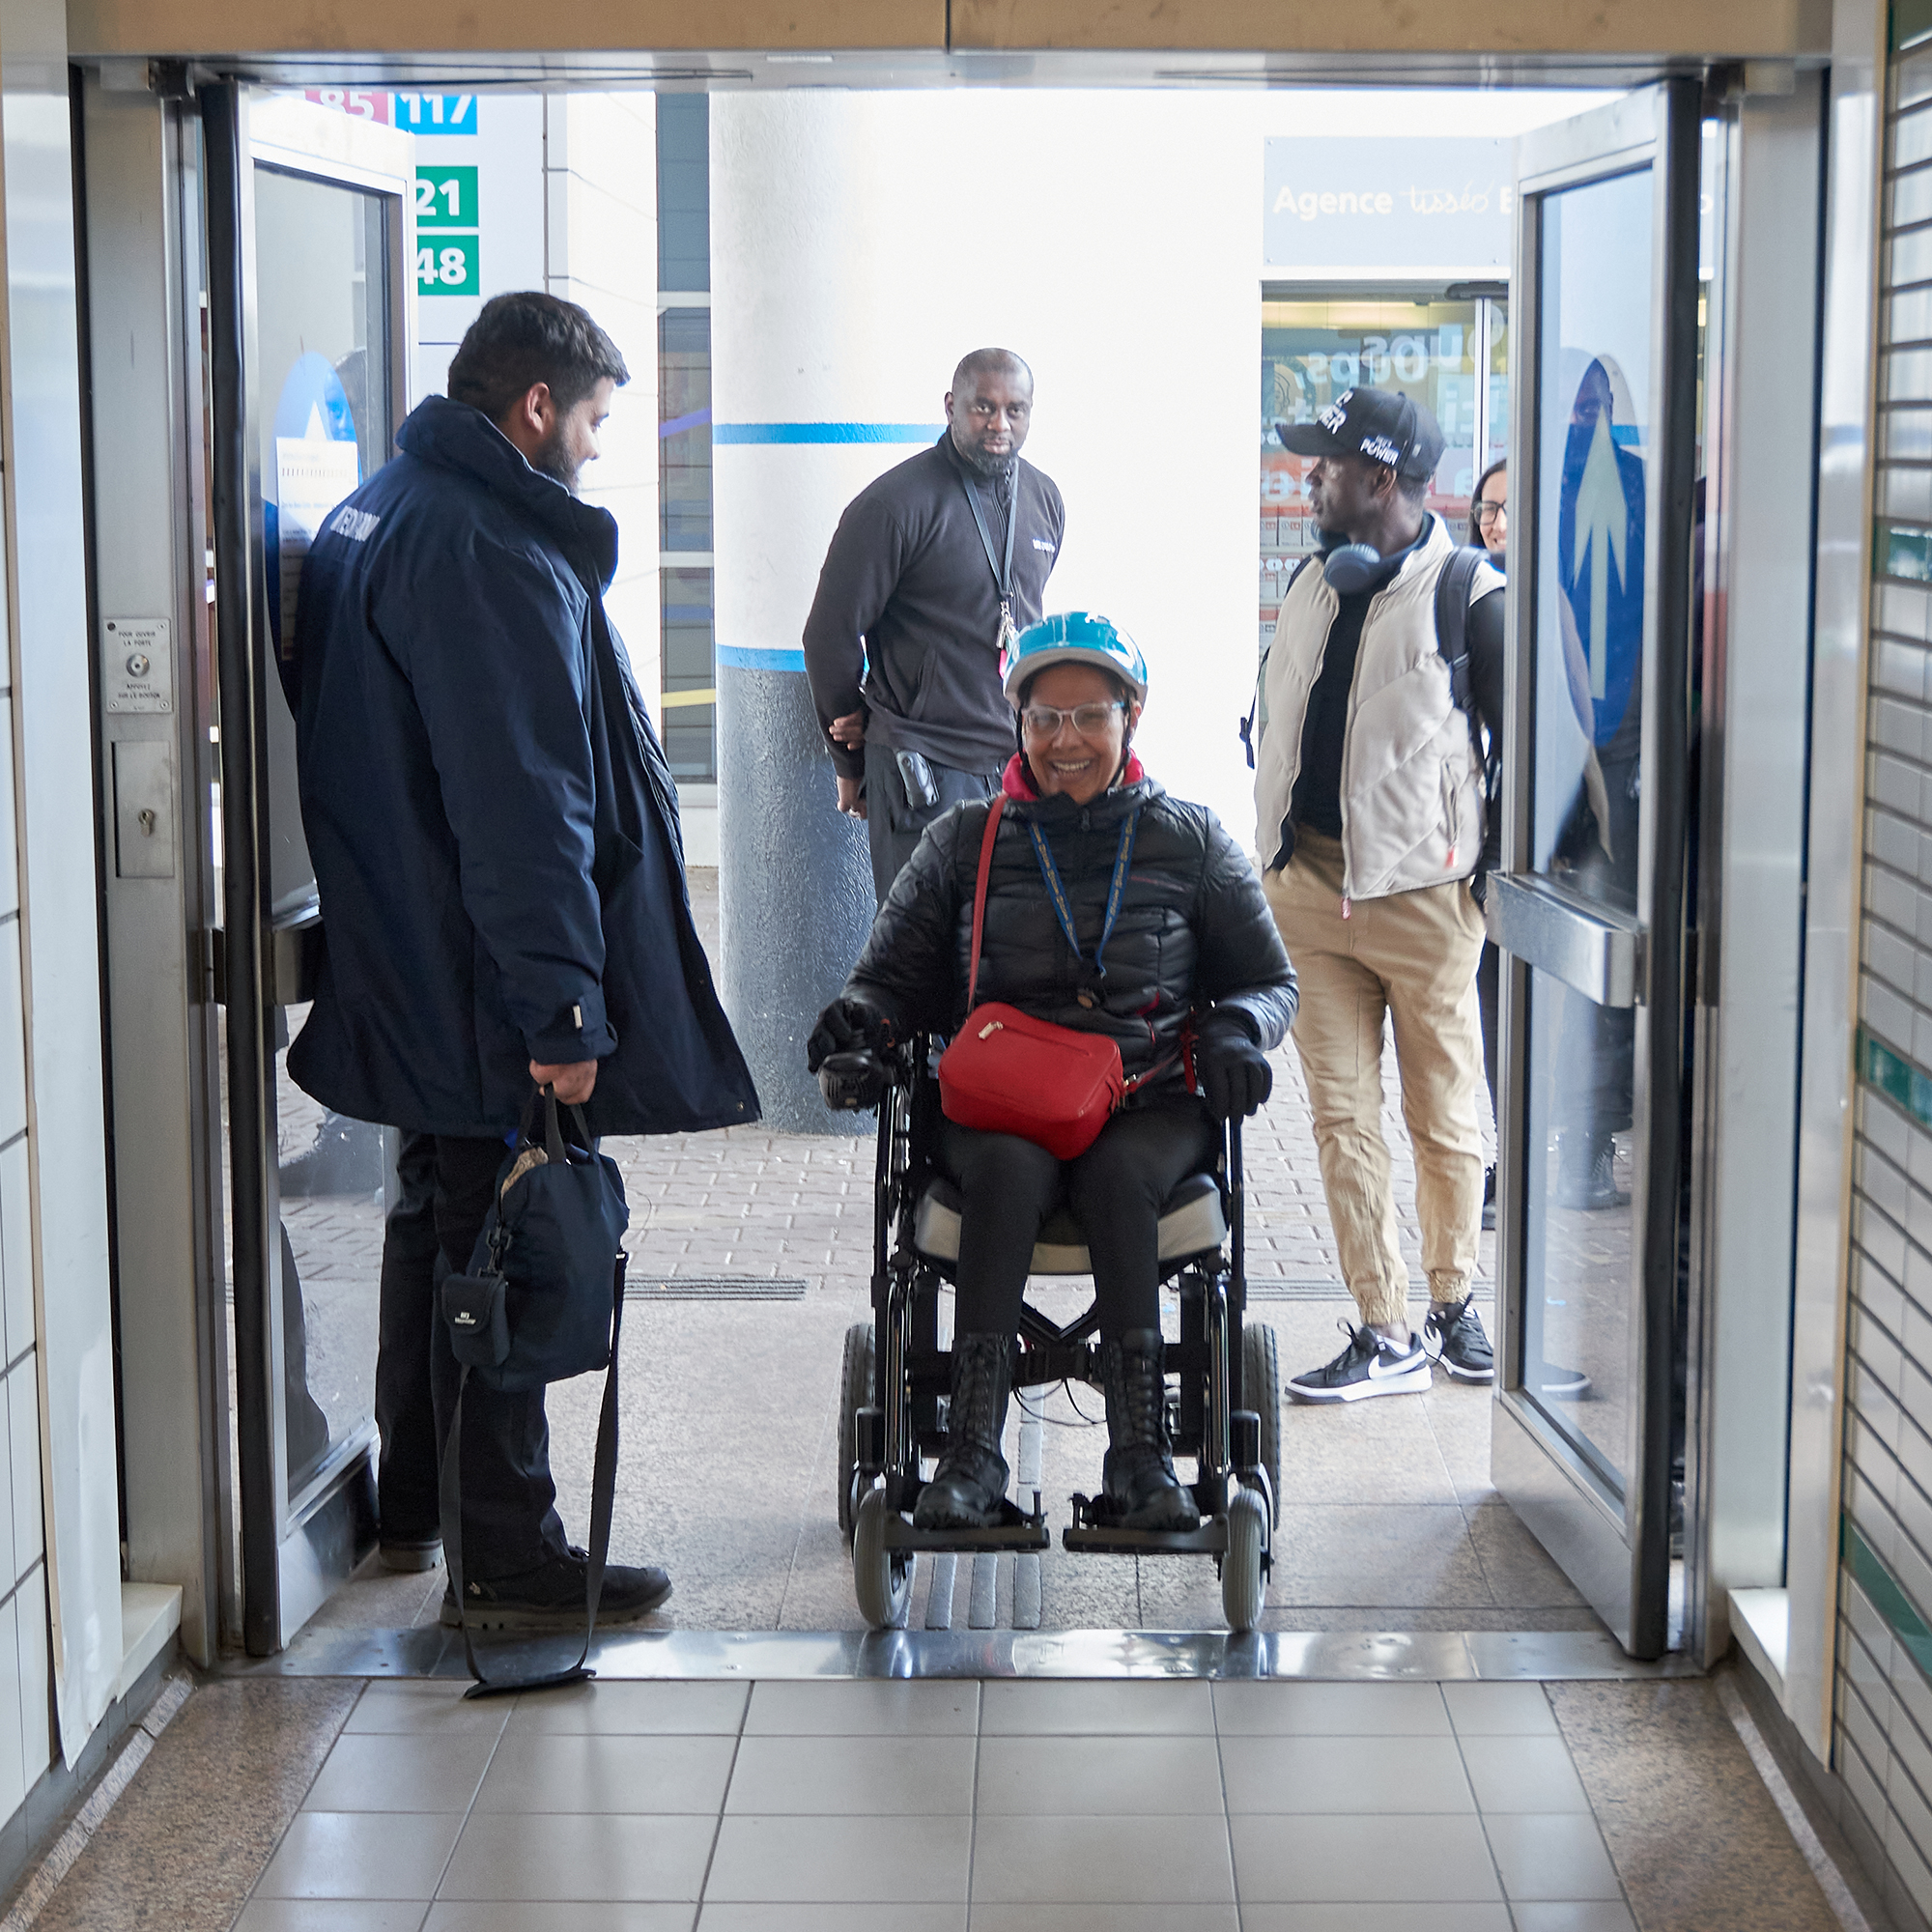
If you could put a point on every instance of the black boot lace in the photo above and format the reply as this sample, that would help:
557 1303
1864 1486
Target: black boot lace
976 1390
1140 1400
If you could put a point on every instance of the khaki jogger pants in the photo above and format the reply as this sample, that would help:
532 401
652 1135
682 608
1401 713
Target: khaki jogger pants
1412 956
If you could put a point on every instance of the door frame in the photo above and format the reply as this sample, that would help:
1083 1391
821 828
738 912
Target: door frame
1617 1550
294 1549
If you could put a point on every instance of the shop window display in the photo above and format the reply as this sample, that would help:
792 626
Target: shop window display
1450 355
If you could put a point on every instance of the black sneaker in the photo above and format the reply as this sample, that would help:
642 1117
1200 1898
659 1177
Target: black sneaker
1453 1335
552 1597
1370 1365
1559 1385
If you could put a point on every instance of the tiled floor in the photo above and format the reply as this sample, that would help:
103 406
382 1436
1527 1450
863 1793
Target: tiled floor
1052 1806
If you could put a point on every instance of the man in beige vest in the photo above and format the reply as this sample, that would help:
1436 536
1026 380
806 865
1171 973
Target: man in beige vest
1369 801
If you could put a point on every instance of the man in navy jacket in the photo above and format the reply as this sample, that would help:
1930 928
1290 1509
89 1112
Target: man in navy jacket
496 849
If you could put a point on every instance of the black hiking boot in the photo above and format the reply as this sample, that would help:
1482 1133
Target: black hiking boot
970 1484
1587 1174
1140 1480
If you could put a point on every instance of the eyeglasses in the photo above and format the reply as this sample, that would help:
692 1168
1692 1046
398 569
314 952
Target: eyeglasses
1487 513
1042 721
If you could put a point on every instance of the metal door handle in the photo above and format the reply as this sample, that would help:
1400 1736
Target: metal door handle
1583 945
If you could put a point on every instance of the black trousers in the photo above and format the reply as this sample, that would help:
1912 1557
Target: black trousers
510 1523
893 823
1115 1189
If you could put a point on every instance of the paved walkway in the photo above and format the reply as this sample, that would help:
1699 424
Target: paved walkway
1390 1519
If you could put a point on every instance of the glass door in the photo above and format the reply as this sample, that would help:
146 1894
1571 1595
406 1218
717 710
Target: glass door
310 220
1589 906
1446 347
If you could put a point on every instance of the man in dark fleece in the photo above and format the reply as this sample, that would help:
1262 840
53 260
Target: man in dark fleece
936 566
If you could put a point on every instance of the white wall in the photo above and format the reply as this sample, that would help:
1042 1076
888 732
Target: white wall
861 242
567 192
601 201
58 1464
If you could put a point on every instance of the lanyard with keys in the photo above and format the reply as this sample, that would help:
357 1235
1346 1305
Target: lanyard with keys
1002 578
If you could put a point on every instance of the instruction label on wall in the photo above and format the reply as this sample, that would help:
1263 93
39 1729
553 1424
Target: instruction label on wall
139 664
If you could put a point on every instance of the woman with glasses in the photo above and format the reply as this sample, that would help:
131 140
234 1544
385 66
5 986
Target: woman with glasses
1489 528
1111 908
1489 513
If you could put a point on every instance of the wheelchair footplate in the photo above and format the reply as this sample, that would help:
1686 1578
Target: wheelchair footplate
1093 1531
1015 1530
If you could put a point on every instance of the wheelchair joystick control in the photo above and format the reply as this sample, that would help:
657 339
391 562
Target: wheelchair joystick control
852 1082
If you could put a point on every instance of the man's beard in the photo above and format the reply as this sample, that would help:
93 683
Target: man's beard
551 457
979 463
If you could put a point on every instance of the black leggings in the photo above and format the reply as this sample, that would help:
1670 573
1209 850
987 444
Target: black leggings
1115 1190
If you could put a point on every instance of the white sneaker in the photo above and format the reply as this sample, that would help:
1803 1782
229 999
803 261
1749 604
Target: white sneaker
1370 1365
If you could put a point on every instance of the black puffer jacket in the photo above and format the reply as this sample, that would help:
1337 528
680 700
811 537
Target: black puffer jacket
1194 929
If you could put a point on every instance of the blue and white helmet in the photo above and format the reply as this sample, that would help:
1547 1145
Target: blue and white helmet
1075 636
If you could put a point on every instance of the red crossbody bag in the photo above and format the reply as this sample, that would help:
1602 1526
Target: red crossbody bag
1007 1073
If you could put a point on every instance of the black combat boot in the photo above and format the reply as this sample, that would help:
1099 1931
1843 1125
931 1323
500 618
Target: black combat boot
1586 1177
970 1484
1140 1480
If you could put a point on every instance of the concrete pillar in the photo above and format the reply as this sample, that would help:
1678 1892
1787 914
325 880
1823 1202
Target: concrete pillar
795 886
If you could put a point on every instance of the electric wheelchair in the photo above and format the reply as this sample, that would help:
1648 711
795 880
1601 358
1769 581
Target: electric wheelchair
1224 1395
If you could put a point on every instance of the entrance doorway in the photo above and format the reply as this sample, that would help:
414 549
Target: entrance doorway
1592 917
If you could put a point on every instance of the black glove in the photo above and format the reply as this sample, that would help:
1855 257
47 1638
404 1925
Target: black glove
1231 1072
845 1026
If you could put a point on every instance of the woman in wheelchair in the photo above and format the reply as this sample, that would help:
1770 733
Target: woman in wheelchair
1111 908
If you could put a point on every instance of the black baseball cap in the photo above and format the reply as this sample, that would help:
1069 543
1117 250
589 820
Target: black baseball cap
1381 424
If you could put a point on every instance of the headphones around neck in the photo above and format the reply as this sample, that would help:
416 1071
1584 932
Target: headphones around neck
1350 567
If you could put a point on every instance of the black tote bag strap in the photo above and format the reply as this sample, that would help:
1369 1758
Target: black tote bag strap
603 1505
552 1142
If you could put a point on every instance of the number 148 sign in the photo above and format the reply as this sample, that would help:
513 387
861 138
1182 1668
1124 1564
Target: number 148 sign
446 266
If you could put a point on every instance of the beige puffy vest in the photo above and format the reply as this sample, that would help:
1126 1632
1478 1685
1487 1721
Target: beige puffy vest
1412 787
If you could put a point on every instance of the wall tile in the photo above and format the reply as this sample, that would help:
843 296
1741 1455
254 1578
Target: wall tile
35 1673
24 1434
13 1758
16 1249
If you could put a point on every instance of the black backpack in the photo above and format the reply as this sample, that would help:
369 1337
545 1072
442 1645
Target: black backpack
1452 641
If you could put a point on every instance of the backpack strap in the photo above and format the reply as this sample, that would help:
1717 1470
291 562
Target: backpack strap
1246 726
1452 640
1452 618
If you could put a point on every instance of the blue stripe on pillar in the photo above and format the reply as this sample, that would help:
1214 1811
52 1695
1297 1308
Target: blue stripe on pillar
738 657
825 432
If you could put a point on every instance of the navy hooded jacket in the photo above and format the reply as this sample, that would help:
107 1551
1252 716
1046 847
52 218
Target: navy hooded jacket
493 825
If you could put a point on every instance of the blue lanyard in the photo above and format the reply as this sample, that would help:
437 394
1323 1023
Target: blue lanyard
1063 907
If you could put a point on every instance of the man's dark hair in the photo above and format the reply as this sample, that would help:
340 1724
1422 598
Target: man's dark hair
522 339
1411 489
988 361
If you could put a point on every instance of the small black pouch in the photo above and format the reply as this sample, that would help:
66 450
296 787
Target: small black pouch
477 1308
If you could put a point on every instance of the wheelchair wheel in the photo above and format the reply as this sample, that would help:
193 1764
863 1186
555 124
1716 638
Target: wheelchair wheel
1242 1592
854 1391
1261 1391
881 1578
